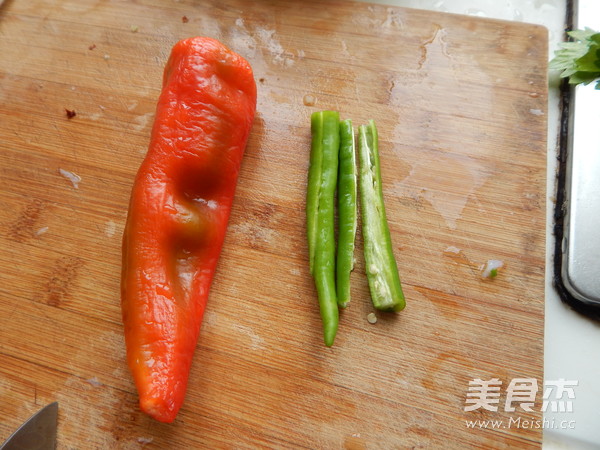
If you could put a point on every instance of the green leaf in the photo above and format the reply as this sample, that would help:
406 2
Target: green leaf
583 77
590 62
595 38
579 60
566 56
582 35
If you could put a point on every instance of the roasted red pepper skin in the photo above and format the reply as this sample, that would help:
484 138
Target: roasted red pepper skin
178 213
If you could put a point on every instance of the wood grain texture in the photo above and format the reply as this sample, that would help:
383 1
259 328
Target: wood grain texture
460 104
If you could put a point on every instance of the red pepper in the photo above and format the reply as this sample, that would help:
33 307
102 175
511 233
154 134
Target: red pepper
178 214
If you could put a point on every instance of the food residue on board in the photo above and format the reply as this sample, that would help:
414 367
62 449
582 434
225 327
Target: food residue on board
452 249
72 177
490 269
70 113
41 231
309 100
92 47
185 19
371 318
94 381
110 228
270 42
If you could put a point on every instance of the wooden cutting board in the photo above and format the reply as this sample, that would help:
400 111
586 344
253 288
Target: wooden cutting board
460 103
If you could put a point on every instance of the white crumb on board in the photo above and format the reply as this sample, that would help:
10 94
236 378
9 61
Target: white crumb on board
141 121
94 381
489 270
71 176
110 228
41 230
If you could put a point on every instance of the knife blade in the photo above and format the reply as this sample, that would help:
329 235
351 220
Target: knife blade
37 433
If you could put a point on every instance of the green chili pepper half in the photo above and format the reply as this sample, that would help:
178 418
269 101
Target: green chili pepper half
320 215
347 219
380 264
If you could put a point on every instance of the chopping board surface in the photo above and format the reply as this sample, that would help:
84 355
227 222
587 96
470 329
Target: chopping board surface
460 104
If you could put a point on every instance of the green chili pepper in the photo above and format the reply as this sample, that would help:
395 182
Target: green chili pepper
320 210
346 212
314 184
380 264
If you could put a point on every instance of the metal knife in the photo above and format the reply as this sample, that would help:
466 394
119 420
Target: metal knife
37 433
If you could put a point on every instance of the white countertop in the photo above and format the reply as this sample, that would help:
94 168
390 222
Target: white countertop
571 341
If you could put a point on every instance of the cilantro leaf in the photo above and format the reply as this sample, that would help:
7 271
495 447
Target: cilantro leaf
579 59
582 35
